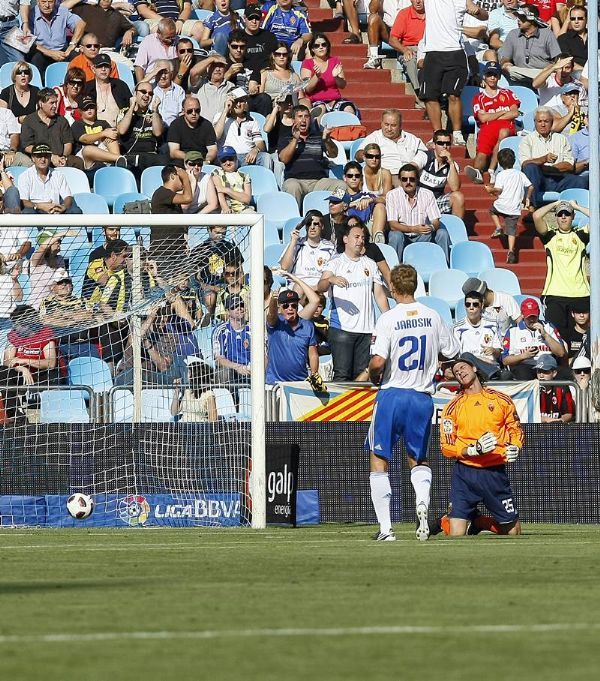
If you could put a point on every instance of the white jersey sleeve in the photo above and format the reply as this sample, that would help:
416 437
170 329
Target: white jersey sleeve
410 337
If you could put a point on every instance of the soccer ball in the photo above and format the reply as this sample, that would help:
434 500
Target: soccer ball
80 506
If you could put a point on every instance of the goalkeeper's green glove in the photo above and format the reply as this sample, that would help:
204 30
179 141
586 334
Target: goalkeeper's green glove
486 443
316 383
511 453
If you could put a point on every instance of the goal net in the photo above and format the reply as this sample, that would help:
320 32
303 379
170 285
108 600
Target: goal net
126 371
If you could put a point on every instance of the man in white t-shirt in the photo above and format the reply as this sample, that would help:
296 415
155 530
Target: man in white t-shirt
445 70
307 256
354 284
498 307
404 359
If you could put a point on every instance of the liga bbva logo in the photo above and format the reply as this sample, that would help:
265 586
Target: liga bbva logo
133 510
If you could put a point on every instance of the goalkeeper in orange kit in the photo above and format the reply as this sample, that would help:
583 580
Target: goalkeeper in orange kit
480 428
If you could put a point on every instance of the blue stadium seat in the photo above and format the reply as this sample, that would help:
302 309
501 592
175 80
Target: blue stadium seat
91 204
455 227
63 406
341 159
527 121
501 279
354 148
390 254
288 226
55 73
271 234
76 179
316 201
15 172
425 257
273 253
151 180
512 143
263 180
122 199
201 14
460 311
277 207
90 371
225 404
439 305
296 65
420 287
334 119
447 285
471 257
156 405
204 338
25 282
259 118
122 406
245 404
208 168
528 98
126 75
112 181
466 97
6 70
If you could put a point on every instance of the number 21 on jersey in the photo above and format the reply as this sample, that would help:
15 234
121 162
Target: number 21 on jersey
413 357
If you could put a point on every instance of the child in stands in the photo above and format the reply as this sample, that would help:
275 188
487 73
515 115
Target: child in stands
512 190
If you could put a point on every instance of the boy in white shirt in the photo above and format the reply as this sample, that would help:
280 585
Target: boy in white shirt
512 190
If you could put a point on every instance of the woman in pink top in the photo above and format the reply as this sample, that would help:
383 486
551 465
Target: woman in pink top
323 76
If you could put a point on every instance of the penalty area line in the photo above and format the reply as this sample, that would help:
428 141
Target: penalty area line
209 634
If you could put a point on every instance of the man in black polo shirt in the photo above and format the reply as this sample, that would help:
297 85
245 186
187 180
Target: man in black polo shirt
303 150
440 170
191 132
260 43
242 74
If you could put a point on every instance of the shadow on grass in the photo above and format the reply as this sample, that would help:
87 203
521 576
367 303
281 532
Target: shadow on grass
7 588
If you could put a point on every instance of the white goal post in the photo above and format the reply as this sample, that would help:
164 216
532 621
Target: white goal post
255 223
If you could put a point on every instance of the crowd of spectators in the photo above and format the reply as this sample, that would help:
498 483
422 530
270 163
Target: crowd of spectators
206 99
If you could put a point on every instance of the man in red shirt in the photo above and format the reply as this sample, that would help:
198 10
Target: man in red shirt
406 33
495 110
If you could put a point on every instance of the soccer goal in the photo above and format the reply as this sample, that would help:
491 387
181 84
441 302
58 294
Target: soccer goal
113 382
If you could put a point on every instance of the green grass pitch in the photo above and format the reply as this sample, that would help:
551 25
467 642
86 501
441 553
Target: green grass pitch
322 603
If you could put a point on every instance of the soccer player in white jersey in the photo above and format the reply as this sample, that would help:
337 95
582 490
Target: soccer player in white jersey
404 360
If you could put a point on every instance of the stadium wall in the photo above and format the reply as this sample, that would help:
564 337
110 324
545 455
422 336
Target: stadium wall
556 479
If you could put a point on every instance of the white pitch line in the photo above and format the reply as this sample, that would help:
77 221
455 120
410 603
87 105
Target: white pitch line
208 634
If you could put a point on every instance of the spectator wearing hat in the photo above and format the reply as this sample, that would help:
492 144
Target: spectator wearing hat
566 279
44 189
582 371
397 146
568 114
260 43
234 187
111 94
231 344
528 49
512 191
498 307
88 51
45 262
204 194
556 402
191 132
96 142
547 160
525 343
578 335
51 23
235 128
69 318
501 22
304 151
413 214
213 93
354 284
550 81
441 171
46 127
292 349
495 110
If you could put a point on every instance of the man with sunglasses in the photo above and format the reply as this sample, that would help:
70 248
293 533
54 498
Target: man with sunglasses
231 343
566 279
191 132
292 349
479 337
441 171
260 43
413 214
578 335
241 74
88 51
213 93
575 40
184 64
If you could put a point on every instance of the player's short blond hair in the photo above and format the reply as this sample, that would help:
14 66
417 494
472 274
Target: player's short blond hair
404 280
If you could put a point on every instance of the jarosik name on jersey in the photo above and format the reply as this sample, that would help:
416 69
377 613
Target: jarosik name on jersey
404 324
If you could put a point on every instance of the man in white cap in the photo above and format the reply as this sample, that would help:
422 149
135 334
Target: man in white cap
498 307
